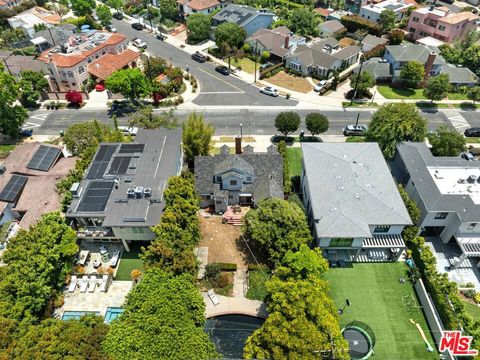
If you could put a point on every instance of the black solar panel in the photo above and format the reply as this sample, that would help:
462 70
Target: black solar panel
44 158
105 153
119 165
13 188
131 148
100 163
96 196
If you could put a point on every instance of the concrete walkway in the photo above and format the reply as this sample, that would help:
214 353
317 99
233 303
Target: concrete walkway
240 284
231 305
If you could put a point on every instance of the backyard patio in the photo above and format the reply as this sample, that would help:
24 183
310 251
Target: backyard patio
378 299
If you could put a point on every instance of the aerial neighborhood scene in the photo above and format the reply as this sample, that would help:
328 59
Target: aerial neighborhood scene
239 179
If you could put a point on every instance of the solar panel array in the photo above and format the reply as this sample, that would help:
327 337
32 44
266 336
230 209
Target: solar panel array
131 148
100 163
13 188
119 165
44 158
96 196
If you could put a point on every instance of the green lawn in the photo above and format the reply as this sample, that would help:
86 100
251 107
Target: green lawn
473 310
246 64
356 139
472 140
130 261
294 161
375 295
5 150
396 93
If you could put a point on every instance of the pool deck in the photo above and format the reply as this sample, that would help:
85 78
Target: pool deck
232 305
96 301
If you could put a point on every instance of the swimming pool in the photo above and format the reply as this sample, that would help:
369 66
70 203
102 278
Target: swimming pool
112 313
69 315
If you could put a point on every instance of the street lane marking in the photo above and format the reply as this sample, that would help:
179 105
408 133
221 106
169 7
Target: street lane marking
38 121
29 125
216 77
458 121
219 92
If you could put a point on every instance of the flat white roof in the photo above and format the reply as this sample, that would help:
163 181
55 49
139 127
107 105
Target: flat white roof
430 41
457 181
393 5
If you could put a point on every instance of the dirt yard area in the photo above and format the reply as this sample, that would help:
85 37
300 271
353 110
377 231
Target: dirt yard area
294 83
224 242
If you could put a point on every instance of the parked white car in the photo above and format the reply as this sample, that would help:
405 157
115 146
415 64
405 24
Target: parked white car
139 43
320 85
128 130
269 90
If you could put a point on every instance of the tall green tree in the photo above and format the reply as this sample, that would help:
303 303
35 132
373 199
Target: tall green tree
169 9
446 142
104 14
79 137
302 264
146 119
473 93
231 34
36 78
287 122
82 7
163 319
29 96
198 27
396 37
387 20
303 21
116 4
302 322
316 123
412 73
364 82
196 137
393 123
437 87
131 83
57 339
275 227
287 182
12 116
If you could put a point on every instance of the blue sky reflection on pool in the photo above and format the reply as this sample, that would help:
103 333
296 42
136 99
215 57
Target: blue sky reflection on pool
229 333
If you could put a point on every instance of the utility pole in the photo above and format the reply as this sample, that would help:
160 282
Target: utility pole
356 82
6 65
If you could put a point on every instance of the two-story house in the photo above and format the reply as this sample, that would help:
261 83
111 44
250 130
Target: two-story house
447 192
440 24
322 58
279 42
121 195
242 178
372 11
30 19
352 202
85 56
247 17
188 7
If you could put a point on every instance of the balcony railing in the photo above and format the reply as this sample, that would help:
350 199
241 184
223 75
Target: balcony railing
95 233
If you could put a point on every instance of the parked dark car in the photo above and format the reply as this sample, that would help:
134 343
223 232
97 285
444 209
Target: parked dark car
161 37
199 57
354 130
222 70
137 26
472 132
118 16
26 132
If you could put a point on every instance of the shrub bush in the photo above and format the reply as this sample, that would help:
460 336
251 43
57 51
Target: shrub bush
223 280
227 266
255 267
355 22
212 272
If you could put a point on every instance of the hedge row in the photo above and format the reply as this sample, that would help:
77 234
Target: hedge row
227 266
355 22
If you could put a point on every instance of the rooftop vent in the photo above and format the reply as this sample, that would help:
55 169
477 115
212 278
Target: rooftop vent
357 196
472 178
76 190
138 191
130 192
147 192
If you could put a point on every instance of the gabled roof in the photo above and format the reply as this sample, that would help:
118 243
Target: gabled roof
459 75
273 39
350 189
233 162
109 63
374 40
316 56
377 68
332 26
200 5
415 52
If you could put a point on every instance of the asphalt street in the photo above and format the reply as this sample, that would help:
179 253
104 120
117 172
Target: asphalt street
215 88
255 121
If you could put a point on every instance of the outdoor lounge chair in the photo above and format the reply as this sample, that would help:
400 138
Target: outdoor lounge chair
104 283
115 258
83 283
73 283
211 294
92 283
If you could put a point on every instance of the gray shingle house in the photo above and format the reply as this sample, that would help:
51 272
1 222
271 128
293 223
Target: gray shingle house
352 202
247 17
230 179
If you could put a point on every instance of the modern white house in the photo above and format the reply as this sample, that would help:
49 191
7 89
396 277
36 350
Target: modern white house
30 19
447 192
372 11
121 195
352 202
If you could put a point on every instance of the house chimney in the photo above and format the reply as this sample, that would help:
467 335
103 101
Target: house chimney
287 41
238 144
428 67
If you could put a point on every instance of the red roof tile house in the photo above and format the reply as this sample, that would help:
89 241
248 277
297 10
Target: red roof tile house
189 7
28 184
91 56
440 24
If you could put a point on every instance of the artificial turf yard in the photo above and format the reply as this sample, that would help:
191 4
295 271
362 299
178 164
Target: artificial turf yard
130 261
375 295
